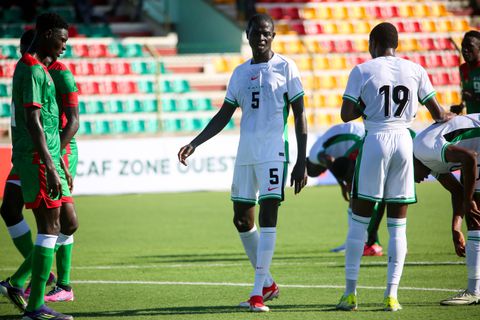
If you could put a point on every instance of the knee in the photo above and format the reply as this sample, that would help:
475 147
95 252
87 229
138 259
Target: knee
69 228
243 223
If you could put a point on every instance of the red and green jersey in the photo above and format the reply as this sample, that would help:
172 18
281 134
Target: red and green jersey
67 95
470 79
33 88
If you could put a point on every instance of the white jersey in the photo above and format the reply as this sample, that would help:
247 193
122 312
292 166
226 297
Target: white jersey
264 91
430 144
338 141
388 90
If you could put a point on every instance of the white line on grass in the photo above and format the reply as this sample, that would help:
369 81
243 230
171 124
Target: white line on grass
219 265
232 284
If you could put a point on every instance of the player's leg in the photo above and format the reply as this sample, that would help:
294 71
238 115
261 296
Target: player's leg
64 246
271 177
372 246
399 192
367 189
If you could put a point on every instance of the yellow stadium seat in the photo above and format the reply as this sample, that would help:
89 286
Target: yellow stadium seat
320 62
339 12
308 101
361 27
361 45
356 12
335 118
234 62
308 13
310 119
309 82
341 80
420 10
311 46
438 10
278 46
444 25
323 13
460 25
333 100
337 62
405 10
407 44
262 10
305 63
282 28
325 81
451 97
220 65
345 27
294 47
428 25
318 101
329 27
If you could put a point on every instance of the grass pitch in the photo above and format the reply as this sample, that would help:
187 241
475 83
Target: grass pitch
178 256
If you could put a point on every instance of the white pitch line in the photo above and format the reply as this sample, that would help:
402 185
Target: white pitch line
220 265
233 284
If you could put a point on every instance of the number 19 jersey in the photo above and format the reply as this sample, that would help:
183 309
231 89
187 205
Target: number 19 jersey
264 91
388 90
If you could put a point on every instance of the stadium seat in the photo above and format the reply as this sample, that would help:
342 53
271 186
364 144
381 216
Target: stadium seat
313 28
9 52
145 86
138 126
102 68
388 11
356 12
107 87
169 105
220 65
411 26
362 27
450 60
150 105
339 12
405 11
80 50
133 50
454 77
420 10
85 128
291 13
309 13
97 50
320 62
181 86
133 106
95 107
298 28
358 45
305 63
428 26
82 107
433 60
3 90
337 62
203 104
425 44
126 87
5 109
444 44
102 127
115 106
329 27
120 127
185 105
152 126
345 27
120 68
325 81
372 12
171 125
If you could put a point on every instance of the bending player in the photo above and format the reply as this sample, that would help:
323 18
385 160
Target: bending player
440 149
263 87
336 150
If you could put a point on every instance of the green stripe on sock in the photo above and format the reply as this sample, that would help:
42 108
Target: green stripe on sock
42 260
24 244
473 238
394 225
64 263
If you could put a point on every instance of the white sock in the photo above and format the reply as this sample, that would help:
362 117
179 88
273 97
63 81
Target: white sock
354 250
349 216
397 251
473 261
46 240
18 229
266 246
250 243
64 239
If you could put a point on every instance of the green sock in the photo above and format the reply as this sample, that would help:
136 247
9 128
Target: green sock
41 265
22 274
24 244
64 263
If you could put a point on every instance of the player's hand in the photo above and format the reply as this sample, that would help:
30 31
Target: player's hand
184 153
459 242
298 177
467 95
471 207
456 108
68 175
54 185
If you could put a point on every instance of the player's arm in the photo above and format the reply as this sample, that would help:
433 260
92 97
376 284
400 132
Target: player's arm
350 110
298 178
35 128
436 110
468 159
449 182
71 128
218 122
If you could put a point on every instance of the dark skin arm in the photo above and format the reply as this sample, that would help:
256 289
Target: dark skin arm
449 182
218 122
327 160
35 128
349 111
437 112
66 136
468 159
299 172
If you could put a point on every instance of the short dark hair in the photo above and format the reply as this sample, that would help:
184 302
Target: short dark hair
27 37
50 20
258 18
385 34
342 168
472 34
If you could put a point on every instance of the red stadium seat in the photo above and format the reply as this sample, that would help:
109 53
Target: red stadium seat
450 60
291 13
121 68
426 44
276 13
411 26
103 68
80 50
343 46
388 11
298 28
372 12
97 50
444 44
454 77
87 88
313 28
433 60
107 87
126 87
83 69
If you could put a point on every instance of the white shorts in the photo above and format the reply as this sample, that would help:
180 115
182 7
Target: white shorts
259 181
384 168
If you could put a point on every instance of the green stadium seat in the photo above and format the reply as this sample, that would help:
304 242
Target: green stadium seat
85 128
12 15
133 50
95 106
138 126
120 126
181 86
102 127
192 124
82 107
13 31
150 106
169 105
133 106
145 86
3 90
5 109
172 125
116 49
152 126
10 52
144 67
115 106
166 86
230 125
68 53
203 104
185 105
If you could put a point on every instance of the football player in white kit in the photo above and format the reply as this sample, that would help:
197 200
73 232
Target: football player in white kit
440 149
263 87
385 91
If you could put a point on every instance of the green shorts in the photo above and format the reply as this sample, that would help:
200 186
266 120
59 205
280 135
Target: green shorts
34 183
71 161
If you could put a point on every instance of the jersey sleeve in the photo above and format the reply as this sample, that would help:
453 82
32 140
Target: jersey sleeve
354 86
294 83
32 87
67 88
425 88
232 91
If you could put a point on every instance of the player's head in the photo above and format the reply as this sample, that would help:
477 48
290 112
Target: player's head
471 47
26 40
342 168
52 34
382 37
421 170
260 33
314 170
